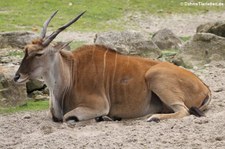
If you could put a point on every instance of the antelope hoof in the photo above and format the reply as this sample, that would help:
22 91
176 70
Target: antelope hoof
99 119
55 119
153 119
71 121
103 118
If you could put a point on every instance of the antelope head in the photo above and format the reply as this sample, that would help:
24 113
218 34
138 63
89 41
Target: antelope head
38 54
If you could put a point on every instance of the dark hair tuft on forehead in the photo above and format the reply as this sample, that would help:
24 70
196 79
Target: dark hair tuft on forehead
37 41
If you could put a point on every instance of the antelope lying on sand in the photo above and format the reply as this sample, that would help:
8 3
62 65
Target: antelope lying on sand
96 81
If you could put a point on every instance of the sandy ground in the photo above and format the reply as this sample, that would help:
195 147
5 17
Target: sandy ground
182 25
36 130
28 130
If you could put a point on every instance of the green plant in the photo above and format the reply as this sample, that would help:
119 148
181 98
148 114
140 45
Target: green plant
16 53
30 106
185 38
169 52
76 44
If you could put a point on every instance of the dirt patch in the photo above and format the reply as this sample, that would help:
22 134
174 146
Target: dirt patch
180 24
183 25
87 37
36 130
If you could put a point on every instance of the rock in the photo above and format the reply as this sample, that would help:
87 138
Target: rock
12 56
220 138
38 96
166 39
41 97
11 94
202 49
46 129
37 90
217 28
220 89
34 85
16 39
128 42
27 116
201 121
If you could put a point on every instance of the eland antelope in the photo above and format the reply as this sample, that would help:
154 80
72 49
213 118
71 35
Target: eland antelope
95 81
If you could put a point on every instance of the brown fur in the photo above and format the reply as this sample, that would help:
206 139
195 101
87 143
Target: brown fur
98 81
127 81
37 41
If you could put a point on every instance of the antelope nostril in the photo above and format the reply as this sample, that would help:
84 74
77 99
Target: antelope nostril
16 77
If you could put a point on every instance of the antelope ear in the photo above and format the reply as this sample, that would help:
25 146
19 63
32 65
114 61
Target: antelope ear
62 45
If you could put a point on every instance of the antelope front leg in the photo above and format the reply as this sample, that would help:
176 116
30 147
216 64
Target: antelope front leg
83 113
55 110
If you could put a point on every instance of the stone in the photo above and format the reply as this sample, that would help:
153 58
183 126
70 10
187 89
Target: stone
12 56
11 94
202 49
217 28
166 39
16 39
129 43
34 85
46 129
38 96
27 116
220 89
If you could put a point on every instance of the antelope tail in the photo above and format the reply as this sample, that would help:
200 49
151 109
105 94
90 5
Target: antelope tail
199 111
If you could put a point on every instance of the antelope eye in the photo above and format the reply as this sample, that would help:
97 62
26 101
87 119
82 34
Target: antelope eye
38 54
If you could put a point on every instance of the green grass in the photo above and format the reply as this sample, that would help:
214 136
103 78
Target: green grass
30 14
169 52
167 55
16 53
76 44
185 38
30 106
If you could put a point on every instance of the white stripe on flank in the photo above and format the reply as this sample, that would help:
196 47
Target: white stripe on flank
104 64
114 72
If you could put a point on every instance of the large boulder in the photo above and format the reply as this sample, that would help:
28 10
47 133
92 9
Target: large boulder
11 94
217 28
11 56
166 39
37 90
16 39
34 85
128 42
203 48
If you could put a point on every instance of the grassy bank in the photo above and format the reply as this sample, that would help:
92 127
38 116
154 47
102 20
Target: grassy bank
30 106
30 14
